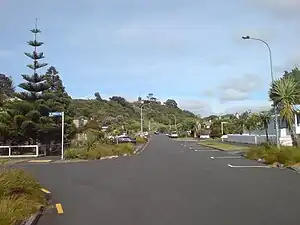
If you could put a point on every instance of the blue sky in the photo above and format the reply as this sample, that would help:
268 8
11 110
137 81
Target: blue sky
183 49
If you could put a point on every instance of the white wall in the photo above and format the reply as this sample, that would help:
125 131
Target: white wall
282 127
250 139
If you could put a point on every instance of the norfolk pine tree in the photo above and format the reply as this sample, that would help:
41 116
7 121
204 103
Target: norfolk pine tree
32 118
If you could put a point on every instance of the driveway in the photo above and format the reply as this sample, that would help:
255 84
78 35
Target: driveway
170 184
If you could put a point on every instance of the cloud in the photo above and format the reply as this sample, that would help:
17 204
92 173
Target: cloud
209 107
253 105
288 65
279 8
236 88
196 106
233 95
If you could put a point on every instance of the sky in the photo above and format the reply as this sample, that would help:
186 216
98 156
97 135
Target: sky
187 50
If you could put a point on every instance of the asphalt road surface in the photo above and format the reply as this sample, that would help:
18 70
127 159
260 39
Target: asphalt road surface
170 184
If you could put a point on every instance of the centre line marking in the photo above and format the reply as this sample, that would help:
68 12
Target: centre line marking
59 208
45 191
232 166
226 157
39 161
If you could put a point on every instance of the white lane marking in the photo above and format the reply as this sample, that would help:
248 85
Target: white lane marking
206 150
226 157
232 166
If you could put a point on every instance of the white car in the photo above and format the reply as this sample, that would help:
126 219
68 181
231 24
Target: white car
174 135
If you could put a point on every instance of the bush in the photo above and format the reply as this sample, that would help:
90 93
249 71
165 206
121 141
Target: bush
100 150
20 196
285 155
256 153
141 140
127 148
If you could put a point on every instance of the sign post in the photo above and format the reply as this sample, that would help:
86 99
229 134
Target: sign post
62 114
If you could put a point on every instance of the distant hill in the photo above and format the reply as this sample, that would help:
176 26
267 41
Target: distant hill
117 112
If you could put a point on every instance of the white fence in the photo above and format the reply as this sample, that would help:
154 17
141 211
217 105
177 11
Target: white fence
250 139
19 151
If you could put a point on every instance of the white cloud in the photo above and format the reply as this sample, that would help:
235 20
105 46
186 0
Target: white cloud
231 94
205 108
196 106
253 105
236 88
279 8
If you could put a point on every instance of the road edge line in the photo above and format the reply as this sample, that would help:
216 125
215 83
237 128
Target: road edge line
143 148
34 219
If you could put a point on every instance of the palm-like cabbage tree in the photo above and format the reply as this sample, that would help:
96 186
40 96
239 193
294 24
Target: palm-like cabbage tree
285 94
265 118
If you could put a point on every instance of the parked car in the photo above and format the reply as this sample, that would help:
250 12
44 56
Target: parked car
156 132
126 139
174 134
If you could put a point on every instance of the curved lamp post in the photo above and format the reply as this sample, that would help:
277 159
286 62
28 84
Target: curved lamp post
272 77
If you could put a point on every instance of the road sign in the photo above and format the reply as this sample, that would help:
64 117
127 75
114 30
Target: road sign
52 114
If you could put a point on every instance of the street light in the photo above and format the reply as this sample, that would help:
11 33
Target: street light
175 122
222 127
142 117
272 77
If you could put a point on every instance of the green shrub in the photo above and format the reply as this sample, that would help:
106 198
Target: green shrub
122 149
285 155
141 140
105 150
100 150
20 196
270 155
72 153
266 145
256 153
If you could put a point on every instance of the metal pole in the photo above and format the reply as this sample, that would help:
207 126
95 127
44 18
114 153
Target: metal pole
222 128
62 134
175 122
142 119
272 77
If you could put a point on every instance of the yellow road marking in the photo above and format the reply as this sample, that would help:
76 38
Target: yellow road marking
39 161
59 208
45 190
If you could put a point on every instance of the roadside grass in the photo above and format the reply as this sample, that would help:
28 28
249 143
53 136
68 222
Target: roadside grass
223 146
4 162
141 140
20 196
99 151
288 156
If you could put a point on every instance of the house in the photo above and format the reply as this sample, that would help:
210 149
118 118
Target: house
80 122
259 136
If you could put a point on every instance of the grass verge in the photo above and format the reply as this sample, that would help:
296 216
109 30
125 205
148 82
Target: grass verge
288 156
141 140
100 150
20 196
223 146
4 162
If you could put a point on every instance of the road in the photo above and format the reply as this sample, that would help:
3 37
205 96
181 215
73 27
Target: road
170 184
